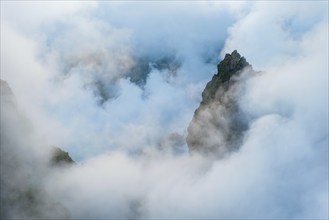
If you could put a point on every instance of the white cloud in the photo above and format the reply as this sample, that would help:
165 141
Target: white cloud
271 31
281 168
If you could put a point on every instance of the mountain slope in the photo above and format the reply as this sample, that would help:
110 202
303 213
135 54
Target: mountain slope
25 163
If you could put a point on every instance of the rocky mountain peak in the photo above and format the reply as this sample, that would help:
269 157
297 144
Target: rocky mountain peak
218 123
7 95
231 65
60 157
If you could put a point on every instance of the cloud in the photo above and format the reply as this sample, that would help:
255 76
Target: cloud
132 161
271 31
84 47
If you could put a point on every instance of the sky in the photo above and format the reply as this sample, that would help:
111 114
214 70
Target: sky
116 85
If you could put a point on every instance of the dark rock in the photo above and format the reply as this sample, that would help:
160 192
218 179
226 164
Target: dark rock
218 123
60 157
232 64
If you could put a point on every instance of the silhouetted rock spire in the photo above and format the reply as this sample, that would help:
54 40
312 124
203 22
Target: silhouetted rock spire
217 124
231 65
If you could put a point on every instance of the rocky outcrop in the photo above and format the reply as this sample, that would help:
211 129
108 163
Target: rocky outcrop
24 164
60 157
218 123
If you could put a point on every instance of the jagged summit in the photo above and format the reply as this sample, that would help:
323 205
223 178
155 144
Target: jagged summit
60 157
231 65
218 124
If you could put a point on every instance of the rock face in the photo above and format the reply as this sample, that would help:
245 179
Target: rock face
218 123
60 157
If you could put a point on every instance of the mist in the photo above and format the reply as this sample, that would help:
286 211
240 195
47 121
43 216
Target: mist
116 85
